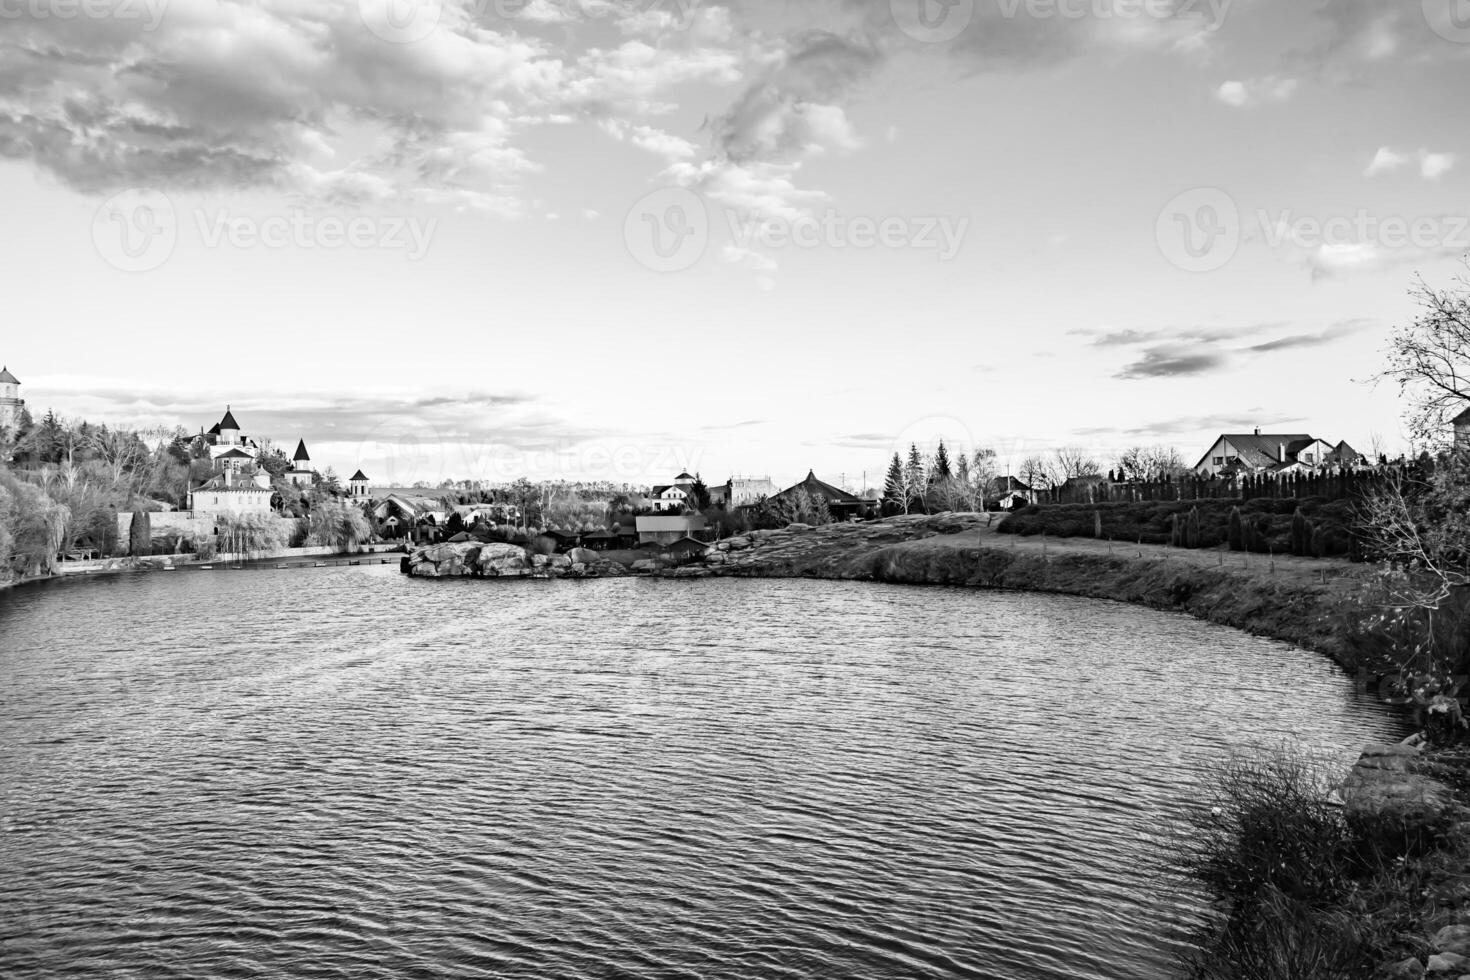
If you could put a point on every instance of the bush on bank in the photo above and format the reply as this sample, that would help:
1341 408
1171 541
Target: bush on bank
1265 525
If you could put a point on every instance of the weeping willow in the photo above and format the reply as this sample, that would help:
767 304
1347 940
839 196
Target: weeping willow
33 527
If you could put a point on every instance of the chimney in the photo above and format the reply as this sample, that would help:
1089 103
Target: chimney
1281 453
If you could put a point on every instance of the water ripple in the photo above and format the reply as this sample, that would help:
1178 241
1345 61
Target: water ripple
348 773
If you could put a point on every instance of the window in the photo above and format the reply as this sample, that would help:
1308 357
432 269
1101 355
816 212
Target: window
1309 457
1219 460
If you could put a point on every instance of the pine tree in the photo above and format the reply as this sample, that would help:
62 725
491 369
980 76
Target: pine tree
1192 530
1237 530
140 534
913 475
893 486
941 471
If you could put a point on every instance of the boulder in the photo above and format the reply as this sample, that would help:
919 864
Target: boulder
1448 963
737 544
798 527
1455 940
647 565
608 569
499 550
1391 787
584 555
561 561
1409 969
540 561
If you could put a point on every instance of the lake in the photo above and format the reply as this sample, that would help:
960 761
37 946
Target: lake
344 772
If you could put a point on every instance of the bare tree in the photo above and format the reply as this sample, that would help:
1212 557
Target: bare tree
1429 359
1034 472
1070 462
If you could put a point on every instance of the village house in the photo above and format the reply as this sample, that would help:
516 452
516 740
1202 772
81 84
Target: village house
743 491
226 443
230 493
358 487
676 496
1259 453
1461 423
11 404
665 529
842 505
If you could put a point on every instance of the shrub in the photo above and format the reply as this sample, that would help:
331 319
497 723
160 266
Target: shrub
1237 534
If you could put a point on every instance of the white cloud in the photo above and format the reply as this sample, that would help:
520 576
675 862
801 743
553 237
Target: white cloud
1435 165
1241 94
1384 161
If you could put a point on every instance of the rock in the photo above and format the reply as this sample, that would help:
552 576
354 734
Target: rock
561 561
498 550
608 569
798 527
540 561
647 565
1390 785
579 568
1453 939
584 555
1409 969
718 558
1448 963
737 544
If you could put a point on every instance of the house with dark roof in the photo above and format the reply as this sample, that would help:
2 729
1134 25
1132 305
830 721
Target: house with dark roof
1268 453
232 493
224 439
842 505
675 496
357 486
1461 423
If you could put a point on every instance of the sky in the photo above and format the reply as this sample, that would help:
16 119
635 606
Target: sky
615 239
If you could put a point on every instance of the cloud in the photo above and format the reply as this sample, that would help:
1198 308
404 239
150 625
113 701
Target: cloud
1173 361
1433 166
1331 335
1201 335
1190 424
1385 161
1242 94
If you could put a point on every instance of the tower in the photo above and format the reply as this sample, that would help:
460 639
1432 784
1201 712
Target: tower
11 403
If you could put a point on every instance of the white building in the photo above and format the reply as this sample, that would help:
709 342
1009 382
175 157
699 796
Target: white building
231 493
11 404
225 440
301 473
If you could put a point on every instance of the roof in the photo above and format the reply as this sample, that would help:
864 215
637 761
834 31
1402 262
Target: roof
7 378
1462 419
677 522
816 488
1259 450
234 454
301 453
214 429
601 534
217 484
683 476
686 544
357 477
228 422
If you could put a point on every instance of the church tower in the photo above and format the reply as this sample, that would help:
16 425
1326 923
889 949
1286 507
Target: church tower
11 403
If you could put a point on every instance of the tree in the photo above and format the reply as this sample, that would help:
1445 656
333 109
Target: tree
1034 472
140 534
895 486
1429 359
941 470
1071 462
1237 530
337 525
914 479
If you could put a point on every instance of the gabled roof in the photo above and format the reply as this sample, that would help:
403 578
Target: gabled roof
357 477
817 488
6 378
213 429
1258 451
1462 419
686 544
601 534
302 456
234 454
228 422
684 476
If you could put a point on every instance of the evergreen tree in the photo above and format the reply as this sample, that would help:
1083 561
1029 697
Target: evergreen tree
1237 530
140 534
913 476
893 486
942 470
